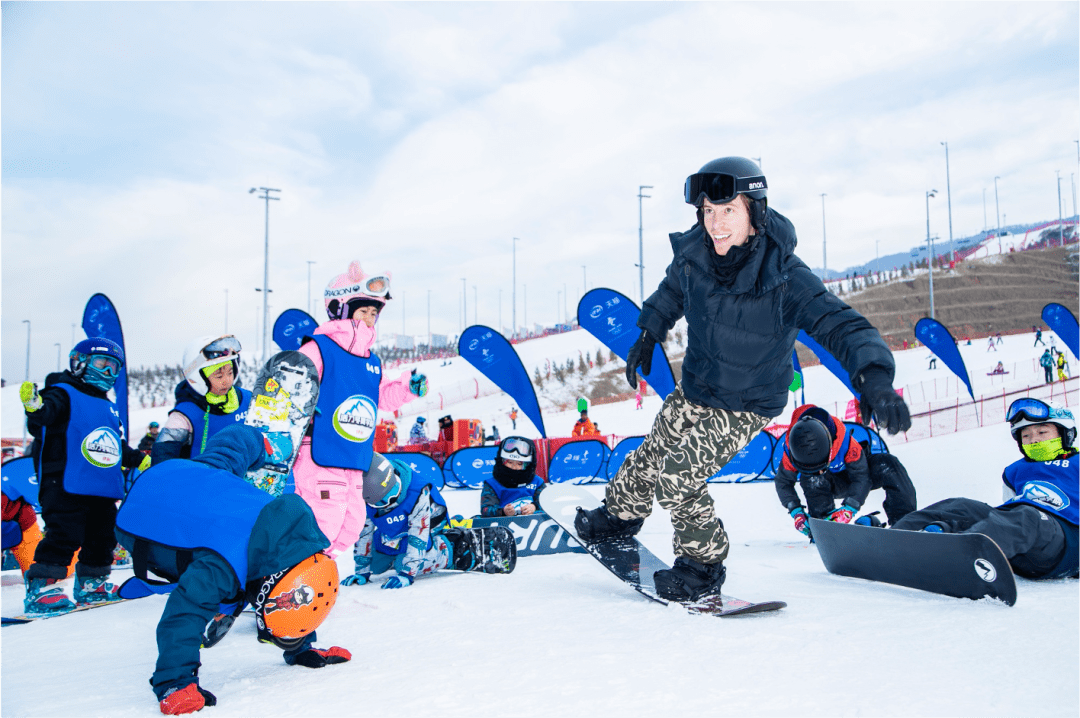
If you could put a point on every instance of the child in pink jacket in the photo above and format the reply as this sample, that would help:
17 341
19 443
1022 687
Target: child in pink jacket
329 469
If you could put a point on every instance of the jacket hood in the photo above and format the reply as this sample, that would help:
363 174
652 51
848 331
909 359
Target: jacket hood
285 534
352 335
764 270
235 449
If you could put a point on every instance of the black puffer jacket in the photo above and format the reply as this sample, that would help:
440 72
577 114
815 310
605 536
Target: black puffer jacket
740 336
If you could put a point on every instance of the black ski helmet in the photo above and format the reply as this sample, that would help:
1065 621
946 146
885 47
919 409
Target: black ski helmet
723 179
515 448
809 443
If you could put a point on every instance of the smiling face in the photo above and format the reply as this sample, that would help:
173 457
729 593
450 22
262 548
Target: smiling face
1035 433
728 224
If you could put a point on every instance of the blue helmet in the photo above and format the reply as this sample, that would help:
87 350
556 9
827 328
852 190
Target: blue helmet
97 361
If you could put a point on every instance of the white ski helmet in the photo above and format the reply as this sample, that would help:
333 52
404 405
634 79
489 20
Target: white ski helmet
209 351
1030 412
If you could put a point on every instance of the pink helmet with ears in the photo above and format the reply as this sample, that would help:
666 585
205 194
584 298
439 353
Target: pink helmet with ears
346 292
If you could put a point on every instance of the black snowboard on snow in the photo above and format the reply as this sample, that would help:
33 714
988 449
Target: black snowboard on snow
488 550
960 565
535 534
630 560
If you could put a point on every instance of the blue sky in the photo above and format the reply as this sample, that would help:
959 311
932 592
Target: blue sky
421 137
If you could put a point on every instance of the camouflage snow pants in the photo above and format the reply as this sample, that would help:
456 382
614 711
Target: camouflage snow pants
688 443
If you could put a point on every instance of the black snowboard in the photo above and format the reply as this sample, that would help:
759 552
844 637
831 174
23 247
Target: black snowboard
487 550
630 560
960 565
535 534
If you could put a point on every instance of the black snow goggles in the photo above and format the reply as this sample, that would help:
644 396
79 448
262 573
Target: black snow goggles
1031 409
719 187
515 449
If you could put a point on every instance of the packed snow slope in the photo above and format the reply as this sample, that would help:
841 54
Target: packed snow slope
562 637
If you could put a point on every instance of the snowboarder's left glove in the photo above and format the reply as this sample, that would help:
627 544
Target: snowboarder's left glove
28 395
801 524
842 515
418 384
881 401
640 355
188 699
357 579
319 657
400 581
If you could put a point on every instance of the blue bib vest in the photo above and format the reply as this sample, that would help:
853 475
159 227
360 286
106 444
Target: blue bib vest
94 448
205 424
509 496
343 430
1051 486
207 509
392 530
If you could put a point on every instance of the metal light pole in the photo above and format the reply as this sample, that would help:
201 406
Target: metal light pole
309 263
266 265
1061 228
997 207
57 345
824 261
513 313
948 194
930 248
640 241
27 378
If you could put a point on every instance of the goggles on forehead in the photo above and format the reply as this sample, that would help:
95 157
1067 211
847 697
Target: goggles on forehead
105 364
224 347
719 187
1030 409
377 286
516 450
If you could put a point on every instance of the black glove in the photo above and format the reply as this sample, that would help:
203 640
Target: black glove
640 356
882 402
319 657
210 698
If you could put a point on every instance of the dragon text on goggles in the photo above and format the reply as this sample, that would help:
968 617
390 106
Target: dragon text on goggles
719 187
372 286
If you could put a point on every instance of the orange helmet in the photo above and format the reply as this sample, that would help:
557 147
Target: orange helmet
290 605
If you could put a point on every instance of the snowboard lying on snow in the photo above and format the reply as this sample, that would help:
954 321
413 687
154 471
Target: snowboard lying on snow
630 560
960 565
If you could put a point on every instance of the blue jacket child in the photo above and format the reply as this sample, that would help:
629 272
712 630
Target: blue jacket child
223 543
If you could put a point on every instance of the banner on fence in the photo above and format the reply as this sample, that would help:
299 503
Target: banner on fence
424 467
495 358
937 339
101 320
291 327
580 462
611 317
469 467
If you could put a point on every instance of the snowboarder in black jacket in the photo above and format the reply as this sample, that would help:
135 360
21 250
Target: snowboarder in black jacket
745 296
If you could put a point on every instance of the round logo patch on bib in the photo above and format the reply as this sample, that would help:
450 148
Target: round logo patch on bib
354 419
101 447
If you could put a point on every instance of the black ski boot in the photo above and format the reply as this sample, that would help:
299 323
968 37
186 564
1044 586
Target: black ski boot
689 580
594 525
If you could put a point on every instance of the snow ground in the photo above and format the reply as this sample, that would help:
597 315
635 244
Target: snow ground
561 636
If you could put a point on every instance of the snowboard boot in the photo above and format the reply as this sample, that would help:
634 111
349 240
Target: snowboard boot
94 589
463 549
594 525
689 580
870 520
46 595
